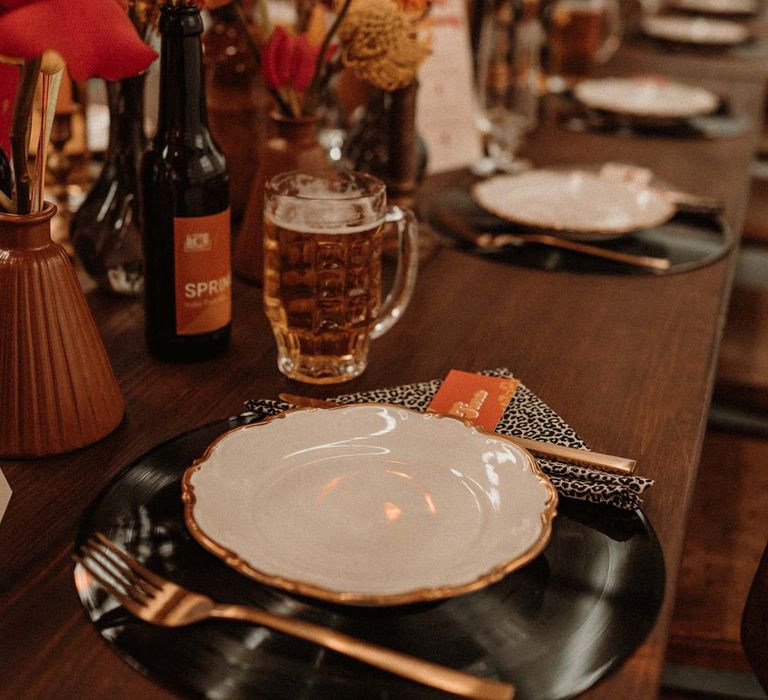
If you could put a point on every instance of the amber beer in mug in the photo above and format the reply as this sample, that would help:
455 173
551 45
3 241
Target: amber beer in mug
581 34
322 271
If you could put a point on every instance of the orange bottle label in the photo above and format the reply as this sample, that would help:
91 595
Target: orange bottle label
203 273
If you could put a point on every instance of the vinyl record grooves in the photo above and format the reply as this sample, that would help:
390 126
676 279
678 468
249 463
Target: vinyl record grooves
553 628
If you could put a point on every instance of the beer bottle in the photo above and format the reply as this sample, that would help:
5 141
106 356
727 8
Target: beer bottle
185 207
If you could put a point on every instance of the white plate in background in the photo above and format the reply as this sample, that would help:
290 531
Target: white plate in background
701 31
576 203
646 97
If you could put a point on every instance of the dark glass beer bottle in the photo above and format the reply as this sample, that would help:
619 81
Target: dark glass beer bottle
185 207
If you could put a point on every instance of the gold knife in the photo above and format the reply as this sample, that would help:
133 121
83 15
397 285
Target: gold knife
571 455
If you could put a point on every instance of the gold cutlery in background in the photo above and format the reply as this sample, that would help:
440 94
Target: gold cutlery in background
488 241
497 241
571 455
161 602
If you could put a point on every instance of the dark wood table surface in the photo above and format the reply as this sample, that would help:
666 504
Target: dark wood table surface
627 360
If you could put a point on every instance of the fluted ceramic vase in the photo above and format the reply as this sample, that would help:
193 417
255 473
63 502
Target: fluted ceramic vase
57 388
293 146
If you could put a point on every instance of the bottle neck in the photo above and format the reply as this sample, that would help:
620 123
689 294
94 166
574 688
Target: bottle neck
182 113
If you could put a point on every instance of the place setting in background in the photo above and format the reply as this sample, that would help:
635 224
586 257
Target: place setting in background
612 219
650 105
702 32
362 521
742 9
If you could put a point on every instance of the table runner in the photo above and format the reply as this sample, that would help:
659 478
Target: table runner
526 416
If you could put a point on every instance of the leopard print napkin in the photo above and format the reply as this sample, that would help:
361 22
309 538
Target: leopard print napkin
526 416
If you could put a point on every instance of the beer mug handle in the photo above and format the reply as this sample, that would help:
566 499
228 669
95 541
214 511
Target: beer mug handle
615 28
405 276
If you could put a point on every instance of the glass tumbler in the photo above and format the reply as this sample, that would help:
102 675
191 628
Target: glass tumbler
323 271
581 34
508 79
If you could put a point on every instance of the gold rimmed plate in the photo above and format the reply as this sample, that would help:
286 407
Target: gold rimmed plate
646 97
369 504
696 31
574 203
724 8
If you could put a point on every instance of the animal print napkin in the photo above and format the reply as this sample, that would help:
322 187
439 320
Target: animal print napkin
526 416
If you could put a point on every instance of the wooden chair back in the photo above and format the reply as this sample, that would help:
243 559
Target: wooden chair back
754 623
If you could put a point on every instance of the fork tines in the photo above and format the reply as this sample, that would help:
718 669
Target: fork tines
116 572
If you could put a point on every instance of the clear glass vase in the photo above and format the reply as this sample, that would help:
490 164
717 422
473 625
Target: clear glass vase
105 229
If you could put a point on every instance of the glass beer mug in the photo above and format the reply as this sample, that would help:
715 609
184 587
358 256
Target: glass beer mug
322 271
581 34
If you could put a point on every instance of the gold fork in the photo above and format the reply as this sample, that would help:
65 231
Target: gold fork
161 602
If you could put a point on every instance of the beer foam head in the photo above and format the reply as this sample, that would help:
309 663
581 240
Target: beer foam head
327 201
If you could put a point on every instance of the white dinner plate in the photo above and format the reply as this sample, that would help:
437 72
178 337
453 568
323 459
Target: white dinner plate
370 504
576 203
717 7
702 31
646 97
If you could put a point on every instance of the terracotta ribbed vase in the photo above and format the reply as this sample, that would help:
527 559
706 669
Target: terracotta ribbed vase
294 146
57 389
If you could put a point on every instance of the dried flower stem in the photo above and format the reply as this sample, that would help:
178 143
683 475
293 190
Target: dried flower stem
242 20
319 78
50 93
19 135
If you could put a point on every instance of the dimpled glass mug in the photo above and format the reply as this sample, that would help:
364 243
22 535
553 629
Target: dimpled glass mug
322 270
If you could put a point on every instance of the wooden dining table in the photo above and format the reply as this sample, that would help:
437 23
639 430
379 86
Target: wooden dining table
627 360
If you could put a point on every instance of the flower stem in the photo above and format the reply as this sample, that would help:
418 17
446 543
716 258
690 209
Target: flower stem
243 22
313 92
19 135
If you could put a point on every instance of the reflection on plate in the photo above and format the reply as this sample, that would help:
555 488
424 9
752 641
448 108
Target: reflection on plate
696 30
574 202
646 97
369 504
717 7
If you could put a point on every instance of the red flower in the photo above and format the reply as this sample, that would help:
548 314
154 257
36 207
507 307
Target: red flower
289 60
95 37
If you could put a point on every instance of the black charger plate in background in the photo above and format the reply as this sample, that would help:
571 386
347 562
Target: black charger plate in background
553 628
722 123
688 240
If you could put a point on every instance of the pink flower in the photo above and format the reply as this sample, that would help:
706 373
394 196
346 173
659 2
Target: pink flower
95 37
289 61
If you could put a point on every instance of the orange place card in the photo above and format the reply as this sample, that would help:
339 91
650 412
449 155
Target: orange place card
474 397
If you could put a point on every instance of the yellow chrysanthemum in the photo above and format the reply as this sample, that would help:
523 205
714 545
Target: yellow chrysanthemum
380 43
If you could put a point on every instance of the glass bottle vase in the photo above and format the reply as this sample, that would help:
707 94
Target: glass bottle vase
293 146
105 229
